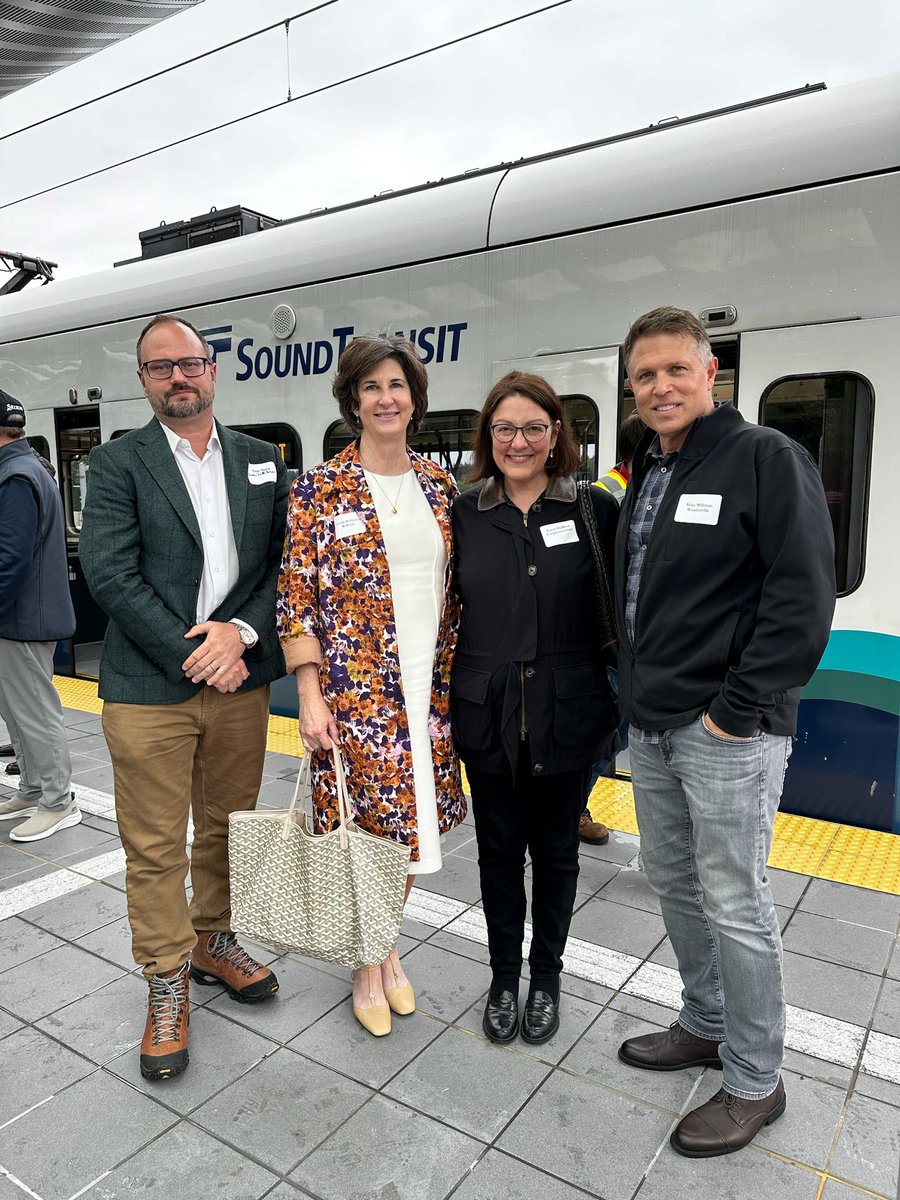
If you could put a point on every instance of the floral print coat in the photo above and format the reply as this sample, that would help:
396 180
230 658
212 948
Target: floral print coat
335 608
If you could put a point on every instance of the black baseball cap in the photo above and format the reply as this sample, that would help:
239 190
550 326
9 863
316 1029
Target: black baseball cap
12 413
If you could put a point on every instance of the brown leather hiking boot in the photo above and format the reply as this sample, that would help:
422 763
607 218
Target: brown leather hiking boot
217 958
593 832
164 1050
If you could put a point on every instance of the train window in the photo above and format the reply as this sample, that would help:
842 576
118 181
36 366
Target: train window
831 417
283 436
444 437
77 433
40 444
582 414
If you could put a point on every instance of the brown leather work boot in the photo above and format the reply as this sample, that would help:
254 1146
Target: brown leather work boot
164 1050
593 832
217 958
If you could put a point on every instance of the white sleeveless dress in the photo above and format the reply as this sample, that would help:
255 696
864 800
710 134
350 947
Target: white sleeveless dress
417 561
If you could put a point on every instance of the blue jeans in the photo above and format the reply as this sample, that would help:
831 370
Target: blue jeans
705 807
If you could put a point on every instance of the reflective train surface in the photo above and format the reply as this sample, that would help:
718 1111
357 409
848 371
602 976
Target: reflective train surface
776 220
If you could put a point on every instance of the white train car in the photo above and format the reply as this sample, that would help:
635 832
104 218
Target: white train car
777 220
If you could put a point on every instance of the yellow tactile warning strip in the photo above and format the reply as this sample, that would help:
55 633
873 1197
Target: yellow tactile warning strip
862 857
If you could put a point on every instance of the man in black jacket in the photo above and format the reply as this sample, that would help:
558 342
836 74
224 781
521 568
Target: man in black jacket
35 611
725 570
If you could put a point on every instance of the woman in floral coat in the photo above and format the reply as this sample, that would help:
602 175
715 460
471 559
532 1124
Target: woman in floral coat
368 626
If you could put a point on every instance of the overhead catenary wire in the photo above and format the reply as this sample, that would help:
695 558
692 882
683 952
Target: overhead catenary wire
279 103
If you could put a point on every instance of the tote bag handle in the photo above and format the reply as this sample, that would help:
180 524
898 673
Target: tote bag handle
342 797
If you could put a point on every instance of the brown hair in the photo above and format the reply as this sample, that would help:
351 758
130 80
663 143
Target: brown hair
631 431
361 356
668 320
566 459
171 319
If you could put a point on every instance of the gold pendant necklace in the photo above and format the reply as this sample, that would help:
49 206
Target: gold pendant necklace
392 503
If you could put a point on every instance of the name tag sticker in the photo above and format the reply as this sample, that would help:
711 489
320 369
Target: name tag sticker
559 534
698 509
261 472
347 524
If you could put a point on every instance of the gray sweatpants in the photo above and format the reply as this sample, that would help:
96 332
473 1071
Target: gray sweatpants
31 709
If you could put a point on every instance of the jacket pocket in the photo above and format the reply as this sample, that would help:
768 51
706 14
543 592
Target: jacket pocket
471 719
582 711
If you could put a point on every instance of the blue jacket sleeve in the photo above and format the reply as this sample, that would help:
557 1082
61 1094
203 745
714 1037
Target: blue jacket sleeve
19 523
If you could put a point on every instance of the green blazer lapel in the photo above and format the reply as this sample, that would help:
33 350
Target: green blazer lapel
235 457
159 460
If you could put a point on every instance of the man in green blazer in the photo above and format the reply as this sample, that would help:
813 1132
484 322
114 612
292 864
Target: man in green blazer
181 545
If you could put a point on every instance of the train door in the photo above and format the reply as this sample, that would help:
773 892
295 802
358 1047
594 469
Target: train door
825 386
587 382
77 432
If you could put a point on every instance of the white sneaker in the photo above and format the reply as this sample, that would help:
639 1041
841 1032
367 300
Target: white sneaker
15 807
46 822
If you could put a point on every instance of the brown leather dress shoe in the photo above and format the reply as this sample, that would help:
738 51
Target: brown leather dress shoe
164 1049
593 832
673 1050
217 958
726 1123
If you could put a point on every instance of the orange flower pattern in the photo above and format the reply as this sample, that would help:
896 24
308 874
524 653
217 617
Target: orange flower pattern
338 590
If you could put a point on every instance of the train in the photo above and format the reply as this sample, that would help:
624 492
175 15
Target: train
775 220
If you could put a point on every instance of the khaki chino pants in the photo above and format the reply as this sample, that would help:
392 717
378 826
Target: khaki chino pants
204 756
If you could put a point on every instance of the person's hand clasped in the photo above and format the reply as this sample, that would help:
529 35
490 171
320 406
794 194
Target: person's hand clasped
215 659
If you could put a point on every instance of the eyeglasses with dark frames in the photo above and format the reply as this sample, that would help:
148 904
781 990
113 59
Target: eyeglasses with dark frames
162 368
533 432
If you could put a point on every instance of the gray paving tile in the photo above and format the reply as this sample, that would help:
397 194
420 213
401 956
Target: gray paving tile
878 910
112 942
251 1113
497 1175
893 969
787 886
595 1056
887 1010
575 1015
284 1191
455 1079
33 872
593 874
830 989
835 1190
276 793
818 1068
220 1052
460 945
101 778
303 996
104 1123
458 877
462 835
13 860
622 849
633 889
446 984
339 1041
204 1166
79 837
79 912
752 1172
8 1023
838 942
415 929
868 1149
568 1119
618 927
585 989
34 1068
878 1089
42 985
104 1024
416 1158
20 942
645 1010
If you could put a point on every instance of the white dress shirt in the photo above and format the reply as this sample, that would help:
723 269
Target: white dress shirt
204 479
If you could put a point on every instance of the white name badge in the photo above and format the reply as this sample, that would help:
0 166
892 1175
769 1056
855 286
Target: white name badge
559 534
347 524
261 472
698 509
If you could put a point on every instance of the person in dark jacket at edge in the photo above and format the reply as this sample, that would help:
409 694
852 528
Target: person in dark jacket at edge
725 590
530 702
35 612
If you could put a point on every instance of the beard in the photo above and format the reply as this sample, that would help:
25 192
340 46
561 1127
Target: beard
185 406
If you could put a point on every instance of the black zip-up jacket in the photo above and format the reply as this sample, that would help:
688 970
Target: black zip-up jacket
528 652
732 617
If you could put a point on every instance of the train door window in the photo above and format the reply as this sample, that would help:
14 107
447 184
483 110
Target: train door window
582 414
77 433
284 437
41 446
831 417
444 437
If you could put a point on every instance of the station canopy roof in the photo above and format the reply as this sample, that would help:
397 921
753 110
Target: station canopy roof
38 37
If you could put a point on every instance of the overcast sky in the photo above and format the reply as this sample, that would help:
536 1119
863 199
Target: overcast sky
584 70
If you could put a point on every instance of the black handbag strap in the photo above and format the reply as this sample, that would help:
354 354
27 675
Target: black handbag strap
606 616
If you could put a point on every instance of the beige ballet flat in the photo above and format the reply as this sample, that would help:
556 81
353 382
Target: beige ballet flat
376 1019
